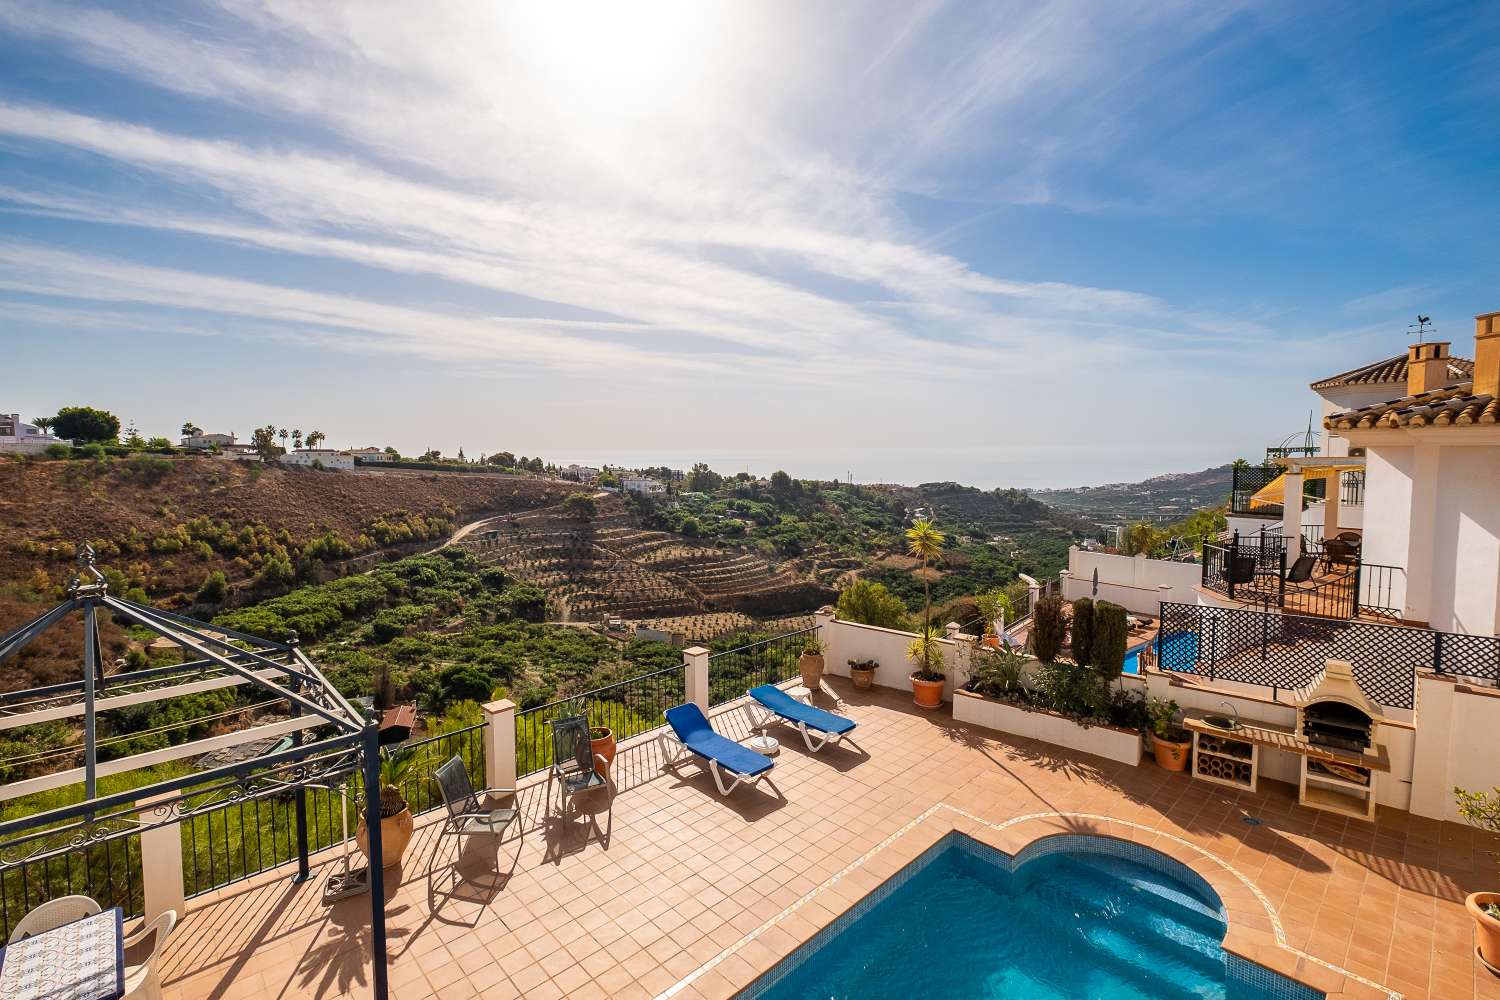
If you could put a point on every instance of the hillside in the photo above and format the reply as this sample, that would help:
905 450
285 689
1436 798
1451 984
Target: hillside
163 527
1166 498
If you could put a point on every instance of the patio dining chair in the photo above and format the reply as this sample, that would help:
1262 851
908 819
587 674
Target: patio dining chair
1336 551
575 766
467 814
52 914
142 981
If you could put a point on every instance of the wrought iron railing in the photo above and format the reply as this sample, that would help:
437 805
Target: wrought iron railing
108 871
224 844
732 672
628 708
1352 488
1291 451
1285 651
1254 569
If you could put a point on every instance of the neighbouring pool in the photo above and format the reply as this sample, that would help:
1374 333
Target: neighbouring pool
1177 651
1079 917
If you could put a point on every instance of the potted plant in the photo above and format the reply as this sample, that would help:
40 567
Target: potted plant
1169 741
602 743
995 610
1483 810
927 680
862 673
810 663
395 814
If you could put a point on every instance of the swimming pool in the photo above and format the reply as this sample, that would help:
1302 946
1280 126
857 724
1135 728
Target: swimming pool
1078 917
1178 651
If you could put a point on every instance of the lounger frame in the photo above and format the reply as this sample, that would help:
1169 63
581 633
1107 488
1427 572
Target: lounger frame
815 739
672 757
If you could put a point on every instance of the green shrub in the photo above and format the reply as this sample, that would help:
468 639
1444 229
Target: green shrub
215 588
58 450
1047 628
1111 635
871 603
464 681
93 450
1083 631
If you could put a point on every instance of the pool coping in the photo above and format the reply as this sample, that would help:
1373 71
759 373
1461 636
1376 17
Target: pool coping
1255 932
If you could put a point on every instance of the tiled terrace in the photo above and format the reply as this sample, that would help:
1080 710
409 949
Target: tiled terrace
697 888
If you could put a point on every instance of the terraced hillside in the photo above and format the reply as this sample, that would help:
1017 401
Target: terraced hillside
608 567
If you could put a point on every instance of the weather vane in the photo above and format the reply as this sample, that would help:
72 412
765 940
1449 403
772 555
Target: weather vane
1421 325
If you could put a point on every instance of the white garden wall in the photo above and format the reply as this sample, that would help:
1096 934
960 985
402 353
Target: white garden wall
1135 583
1457 744
845 641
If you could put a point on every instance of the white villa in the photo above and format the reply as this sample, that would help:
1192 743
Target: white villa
1378 545
580 473
642 484
370 454
328 458
204 440
18 436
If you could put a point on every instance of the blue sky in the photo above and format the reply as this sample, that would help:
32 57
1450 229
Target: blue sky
1008 244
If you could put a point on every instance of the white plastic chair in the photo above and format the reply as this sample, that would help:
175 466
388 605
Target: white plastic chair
53 913
142 980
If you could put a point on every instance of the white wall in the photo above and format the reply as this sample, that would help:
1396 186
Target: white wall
845 641
1466 541
1133 582
1457 744
1387 524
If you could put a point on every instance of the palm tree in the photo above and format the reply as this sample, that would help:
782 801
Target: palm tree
315 438
189 428
925 541
297 438
283 435
44 424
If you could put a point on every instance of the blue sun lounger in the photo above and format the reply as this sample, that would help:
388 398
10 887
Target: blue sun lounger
774 703
721 756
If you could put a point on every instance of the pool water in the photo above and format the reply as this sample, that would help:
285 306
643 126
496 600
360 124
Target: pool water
1179 651
1064 926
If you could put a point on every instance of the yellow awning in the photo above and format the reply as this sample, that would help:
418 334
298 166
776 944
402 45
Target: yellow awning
1273 494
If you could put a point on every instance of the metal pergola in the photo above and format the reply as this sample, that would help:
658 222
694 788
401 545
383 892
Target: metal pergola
331 739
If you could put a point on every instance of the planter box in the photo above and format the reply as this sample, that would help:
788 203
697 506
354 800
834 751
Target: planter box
1111 742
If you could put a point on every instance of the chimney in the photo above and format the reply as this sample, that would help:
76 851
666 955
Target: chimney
1427 366
1487 354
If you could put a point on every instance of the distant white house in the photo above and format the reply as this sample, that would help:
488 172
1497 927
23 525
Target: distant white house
239 451
328 458
206 441
581 473
368 455
18 436
642 484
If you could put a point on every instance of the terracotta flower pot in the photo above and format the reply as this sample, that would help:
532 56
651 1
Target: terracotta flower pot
992 641
1486 927
602 742
811 667
1172 756
928 694
395 834
863 677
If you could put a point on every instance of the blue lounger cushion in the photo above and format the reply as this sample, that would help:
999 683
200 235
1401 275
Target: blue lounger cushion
692 728
784 705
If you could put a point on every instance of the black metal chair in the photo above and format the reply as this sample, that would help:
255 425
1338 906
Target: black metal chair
1299 576
467 814
575 766
1337 551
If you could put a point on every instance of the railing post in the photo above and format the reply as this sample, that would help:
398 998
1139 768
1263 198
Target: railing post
1234 561
1354 597
161 861
1281 578
695 680
500 744
299 797
370 758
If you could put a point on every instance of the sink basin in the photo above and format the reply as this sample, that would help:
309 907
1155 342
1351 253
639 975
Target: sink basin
1221 722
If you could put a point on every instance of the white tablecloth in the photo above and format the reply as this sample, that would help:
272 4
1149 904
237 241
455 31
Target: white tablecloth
83 960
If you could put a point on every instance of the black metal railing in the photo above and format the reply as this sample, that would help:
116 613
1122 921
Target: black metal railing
1291 451
223 844
1285 651
1254 569
108 871
1352 488
732 672
628 708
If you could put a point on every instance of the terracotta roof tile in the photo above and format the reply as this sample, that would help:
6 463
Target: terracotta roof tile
1391 371
1454 406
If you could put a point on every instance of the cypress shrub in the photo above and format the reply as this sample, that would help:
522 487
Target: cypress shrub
1083 631
1047 628
1111 634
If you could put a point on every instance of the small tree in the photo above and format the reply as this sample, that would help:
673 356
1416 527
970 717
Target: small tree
215 588
1111 634
1047 628
86 424
925 541
1083 631
580 507
869 603
264 440
992 605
